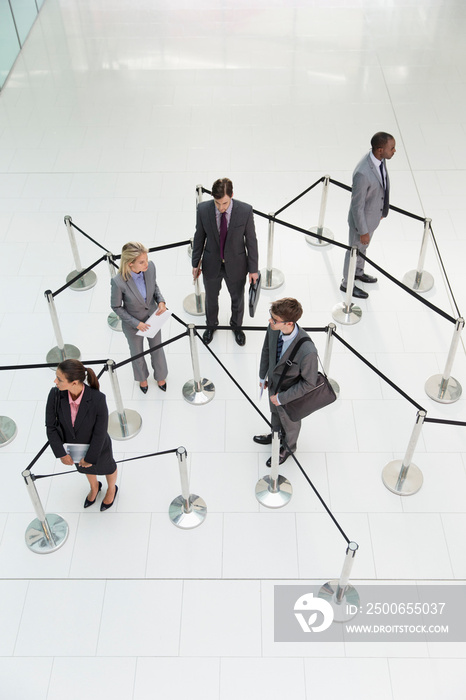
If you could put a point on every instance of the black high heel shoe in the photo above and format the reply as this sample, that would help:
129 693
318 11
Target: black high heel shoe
87 502
144 389
106 506
162 387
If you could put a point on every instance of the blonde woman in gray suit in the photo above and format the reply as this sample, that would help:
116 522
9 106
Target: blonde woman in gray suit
135 297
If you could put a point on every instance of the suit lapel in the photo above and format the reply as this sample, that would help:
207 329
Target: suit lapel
83 408
149 280
234 210
375 174
273 345
289 349
65 410
132 286
232 224
213 225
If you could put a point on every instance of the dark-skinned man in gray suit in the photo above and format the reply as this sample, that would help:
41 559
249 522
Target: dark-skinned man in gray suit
369 204
225 248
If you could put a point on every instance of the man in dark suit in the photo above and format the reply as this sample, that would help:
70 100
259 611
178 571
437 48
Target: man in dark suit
369 204
283 333
225 247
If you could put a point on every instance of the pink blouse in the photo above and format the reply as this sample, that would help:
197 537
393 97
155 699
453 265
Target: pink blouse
74 406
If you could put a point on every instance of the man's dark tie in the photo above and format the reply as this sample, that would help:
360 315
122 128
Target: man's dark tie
223 234
279 347
382 174
385 193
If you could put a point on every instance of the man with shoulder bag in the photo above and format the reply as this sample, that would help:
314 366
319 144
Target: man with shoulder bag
281 352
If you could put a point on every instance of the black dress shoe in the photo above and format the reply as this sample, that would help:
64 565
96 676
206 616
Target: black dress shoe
240 337
208 335
283 456
144 389
263 439
162 387
366 278
106 506
359 293
87 502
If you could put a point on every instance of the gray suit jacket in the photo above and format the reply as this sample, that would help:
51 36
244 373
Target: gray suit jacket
300 378
367 198
127 302
241 254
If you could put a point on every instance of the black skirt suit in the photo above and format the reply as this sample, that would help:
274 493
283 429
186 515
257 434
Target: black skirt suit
90 428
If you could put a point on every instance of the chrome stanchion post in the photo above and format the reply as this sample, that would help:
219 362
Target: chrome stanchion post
61 351
46 533
197 391
346 312
90 278
124 423
319 229
194 304
402 476
443 387
8 430
188 510
342 596
420 280
113 320
199 194
271 278
328 353
273 490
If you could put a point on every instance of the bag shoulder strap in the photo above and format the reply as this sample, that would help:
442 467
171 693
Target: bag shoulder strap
289 361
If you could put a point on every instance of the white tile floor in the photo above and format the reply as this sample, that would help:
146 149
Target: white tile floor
113 114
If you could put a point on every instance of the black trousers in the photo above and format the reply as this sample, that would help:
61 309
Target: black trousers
212 290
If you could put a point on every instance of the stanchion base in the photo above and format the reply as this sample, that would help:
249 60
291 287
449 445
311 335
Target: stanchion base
406 487
273 499
342 612
347 317
423 284
56 355
335 386
198 398
195 305
114 322
87 281
36 539
8 430
118 431
272 281
187 520
450 393
318 242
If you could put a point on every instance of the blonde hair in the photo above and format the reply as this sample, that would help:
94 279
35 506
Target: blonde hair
129 253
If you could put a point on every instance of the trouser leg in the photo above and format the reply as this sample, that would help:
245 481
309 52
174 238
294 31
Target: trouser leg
136 346
355 240
158 359
280 421
236 290
212 290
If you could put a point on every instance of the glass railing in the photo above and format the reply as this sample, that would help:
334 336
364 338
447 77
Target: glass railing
16 20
